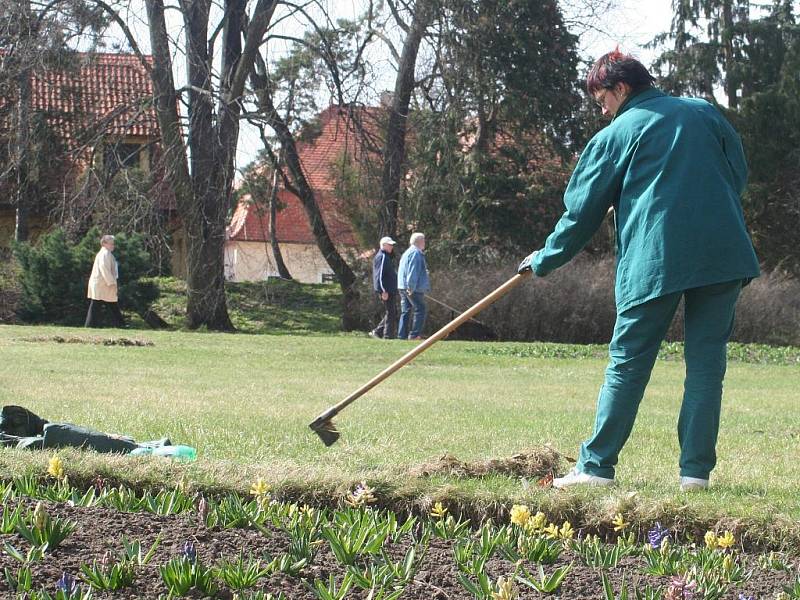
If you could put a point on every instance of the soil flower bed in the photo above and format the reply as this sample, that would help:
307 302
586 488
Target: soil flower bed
111 542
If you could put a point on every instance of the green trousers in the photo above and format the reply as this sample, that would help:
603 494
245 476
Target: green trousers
638 333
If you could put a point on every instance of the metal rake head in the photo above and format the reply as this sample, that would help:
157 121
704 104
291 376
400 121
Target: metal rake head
325 429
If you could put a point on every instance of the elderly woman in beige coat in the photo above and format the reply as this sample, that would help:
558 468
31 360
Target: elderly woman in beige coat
103 285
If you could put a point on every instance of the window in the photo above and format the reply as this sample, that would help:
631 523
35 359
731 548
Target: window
118 156
328 278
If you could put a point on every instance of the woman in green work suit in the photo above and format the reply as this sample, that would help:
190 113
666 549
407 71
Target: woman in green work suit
673 169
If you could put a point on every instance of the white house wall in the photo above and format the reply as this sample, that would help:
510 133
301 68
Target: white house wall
254 261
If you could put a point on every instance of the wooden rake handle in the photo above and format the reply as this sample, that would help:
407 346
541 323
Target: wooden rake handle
417 350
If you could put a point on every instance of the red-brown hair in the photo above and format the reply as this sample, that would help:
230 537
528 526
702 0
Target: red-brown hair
615 67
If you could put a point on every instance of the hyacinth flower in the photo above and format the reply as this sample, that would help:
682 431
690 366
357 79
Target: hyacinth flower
657 535
260 489
67 584
680 589
189 551
202 510
55 468
361 496
619 522
438 511
520 515
40 516
743 597
505 589
726 540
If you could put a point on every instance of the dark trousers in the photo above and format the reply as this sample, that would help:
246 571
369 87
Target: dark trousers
93 314
387 328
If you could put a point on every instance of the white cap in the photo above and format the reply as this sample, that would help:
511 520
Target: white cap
387 240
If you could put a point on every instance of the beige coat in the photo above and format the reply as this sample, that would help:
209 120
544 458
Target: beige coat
103 280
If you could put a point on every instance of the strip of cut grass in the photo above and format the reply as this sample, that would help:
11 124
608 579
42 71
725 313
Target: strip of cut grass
245 402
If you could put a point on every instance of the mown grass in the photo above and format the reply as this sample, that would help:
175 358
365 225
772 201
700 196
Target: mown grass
245 403
273 306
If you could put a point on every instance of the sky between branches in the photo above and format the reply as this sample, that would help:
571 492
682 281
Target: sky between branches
631 24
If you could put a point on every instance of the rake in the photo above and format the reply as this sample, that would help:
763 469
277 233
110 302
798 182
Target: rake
324 426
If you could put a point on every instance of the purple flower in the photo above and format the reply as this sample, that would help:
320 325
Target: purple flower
189 552
67 584
657 534
743 597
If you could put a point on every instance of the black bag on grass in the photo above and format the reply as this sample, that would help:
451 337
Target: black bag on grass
18 421
63 435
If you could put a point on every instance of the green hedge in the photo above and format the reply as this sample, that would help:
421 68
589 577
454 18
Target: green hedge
55 276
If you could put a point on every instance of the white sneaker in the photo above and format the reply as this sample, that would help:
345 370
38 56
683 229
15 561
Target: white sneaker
575 477
693 484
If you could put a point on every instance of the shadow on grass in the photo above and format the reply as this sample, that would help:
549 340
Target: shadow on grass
274 306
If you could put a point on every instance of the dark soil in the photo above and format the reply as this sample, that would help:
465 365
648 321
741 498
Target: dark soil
100 530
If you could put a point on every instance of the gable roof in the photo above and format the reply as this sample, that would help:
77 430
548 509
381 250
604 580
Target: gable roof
108 94
250 221
337 130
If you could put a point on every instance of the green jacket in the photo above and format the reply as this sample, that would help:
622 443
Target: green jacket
674 170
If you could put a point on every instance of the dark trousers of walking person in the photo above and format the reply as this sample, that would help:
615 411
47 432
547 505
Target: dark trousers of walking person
411 305
387 327
639 331
93 314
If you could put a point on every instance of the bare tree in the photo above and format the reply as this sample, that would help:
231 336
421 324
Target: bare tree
33 36
394 149
202 180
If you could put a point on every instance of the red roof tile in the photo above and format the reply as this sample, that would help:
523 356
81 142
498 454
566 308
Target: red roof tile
340 130
250 222
110 93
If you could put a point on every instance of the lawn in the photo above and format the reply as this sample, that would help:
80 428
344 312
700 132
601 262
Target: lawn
245 402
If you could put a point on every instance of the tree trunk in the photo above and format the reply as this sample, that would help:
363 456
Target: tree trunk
203 189
727 35
283 272
23 191
197 206
394 151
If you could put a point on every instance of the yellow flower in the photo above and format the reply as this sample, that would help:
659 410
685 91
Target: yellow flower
537 522
361 496
520 515
619 522
551 531
710 539
726 540
307 511
505 589
56 467
566 532
259 489
438 511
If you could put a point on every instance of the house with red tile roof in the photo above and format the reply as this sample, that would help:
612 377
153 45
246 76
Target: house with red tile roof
248 253
99 111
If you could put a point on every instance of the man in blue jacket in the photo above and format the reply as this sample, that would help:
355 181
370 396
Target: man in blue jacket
413 282
673 170
384 282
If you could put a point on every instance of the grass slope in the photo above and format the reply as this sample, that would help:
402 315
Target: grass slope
272 306
245 401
